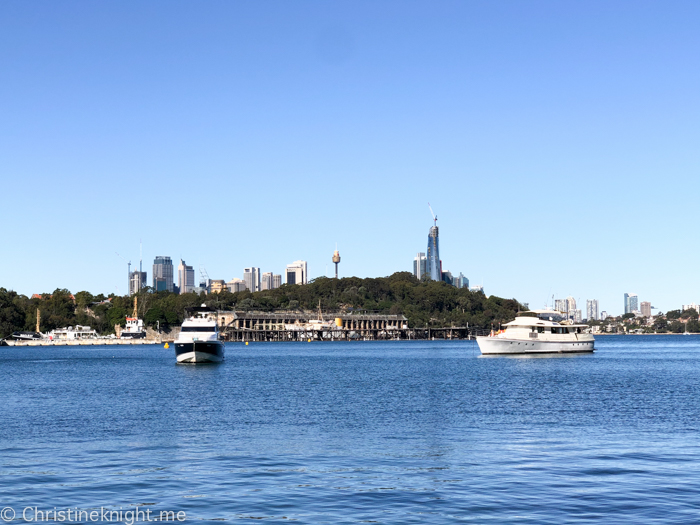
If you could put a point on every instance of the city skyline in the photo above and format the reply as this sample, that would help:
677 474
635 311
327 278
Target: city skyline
355 115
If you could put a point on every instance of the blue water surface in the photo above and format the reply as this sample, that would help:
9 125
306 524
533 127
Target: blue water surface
358 432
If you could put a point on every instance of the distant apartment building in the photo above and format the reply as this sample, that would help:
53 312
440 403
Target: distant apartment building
447 277
236 285
576 316
592 309
137 280
297 273
185 277
419 265
217 285
631 303
251 276
276 280
163 274
476 288
645 307
570 305
603 315
690 306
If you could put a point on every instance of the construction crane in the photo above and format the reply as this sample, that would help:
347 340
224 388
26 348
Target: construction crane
204 277
433 214
128 274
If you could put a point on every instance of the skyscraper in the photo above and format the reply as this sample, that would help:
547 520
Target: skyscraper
276 280
266 282
592 309
631 303
419 263
185 277
461 281
251 276
646 308
433 264
297 273
137 280
560 305
162 274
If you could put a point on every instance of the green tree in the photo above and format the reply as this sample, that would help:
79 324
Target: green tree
673 314
12 315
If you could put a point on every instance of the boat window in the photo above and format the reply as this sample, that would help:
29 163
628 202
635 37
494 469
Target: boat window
198 329
540 329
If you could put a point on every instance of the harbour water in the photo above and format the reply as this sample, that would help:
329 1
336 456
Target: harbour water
357 432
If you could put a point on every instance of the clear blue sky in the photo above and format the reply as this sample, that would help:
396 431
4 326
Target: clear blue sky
558 142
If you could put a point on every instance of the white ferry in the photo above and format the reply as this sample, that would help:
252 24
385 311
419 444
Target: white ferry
198 341
538 332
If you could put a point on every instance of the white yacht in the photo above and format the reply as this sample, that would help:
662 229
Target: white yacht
538 332
198 341
79 333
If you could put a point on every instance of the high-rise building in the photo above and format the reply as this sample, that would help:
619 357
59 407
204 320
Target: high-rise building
561 305
691 306
570 305
603 315
297 273
251 276
576 316
419 265
646 308
433 264
447 277
266 282
217 285
461 281
631 304
276 280
163 274
137 280
236 285
592 309
185 277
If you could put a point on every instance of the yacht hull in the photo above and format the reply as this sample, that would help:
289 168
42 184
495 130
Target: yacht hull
199 352
502 346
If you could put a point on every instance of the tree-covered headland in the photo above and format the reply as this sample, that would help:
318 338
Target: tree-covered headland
424 303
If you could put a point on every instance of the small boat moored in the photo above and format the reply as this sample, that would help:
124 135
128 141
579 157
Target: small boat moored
198 341
27 336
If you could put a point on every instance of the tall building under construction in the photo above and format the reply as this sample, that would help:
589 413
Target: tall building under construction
433 264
